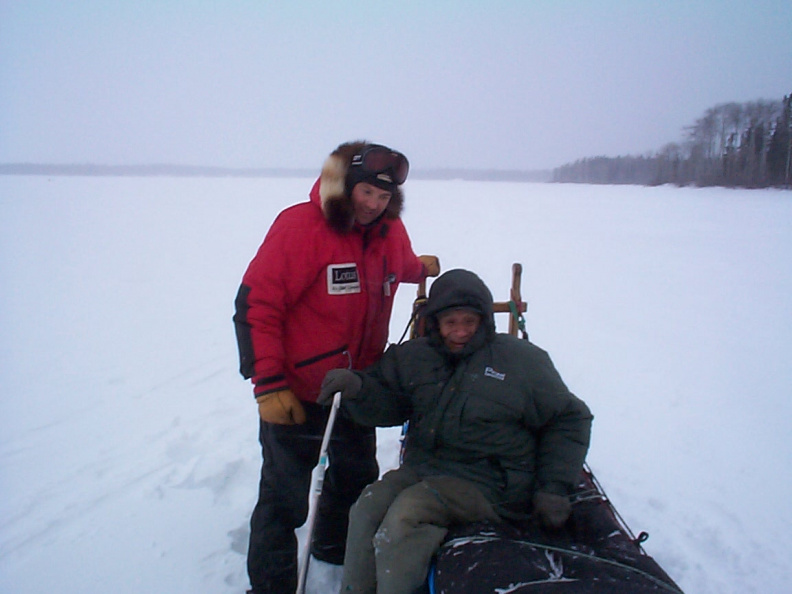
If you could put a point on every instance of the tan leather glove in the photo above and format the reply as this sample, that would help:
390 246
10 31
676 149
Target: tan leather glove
551 510
432 265
281 408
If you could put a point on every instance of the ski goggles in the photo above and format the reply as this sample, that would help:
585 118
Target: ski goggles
376 159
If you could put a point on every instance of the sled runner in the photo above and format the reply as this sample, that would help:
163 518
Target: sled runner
595 552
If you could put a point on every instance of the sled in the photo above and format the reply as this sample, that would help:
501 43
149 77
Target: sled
595 552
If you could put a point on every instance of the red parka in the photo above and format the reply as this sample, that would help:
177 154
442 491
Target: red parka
316 298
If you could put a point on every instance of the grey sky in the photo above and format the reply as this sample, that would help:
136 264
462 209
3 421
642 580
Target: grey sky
492 84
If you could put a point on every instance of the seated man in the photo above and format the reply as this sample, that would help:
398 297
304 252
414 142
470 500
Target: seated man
493 433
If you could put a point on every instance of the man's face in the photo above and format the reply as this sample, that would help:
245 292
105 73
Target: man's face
457 327
369 202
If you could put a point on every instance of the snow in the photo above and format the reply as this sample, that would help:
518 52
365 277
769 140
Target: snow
128 452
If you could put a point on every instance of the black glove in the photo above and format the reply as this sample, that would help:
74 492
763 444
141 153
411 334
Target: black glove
339 380
551 510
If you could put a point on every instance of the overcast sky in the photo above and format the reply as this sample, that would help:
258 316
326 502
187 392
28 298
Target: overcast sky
522 84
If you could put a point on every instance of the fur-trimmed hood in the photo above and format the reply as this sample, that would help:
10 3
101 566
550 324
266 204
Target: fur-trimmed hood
334 195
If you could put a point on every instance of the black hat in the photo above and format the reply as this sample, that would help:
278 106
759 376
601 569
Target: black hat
379 166
383 180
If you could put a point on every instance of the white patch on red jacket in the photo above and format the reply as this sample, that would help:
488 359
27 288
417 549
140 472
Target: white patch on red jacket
343 279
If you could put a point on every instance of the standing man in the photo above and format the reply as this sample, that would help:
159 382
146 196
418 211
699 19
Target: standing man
318 296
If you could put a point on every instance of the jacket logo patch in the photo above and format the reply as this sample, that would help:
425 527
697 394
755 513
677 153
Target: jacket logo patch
490 372
343 279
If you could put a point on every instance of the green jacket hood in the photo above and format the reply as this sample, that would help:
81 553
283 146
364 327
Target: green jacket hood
460 288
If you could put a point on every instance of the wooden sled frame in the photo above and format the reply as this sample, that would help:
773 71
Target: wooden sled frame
515 306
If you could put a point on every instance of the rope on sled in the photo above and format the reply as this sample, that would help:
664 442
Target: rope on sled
554 549
410 323
637 540
518 318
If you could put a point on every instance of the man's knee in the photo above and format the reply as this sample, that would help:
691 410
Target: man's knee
367 508
441 501
376 498
416 505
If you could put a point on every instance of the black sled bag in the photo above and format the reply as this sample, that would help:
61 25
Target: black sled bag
594 553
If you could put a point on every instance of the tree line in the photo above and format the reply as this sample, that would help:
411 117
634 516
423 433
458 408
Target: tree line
746 145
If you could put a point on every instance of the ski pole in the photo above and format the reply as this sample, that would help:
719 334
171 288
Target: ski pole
317 480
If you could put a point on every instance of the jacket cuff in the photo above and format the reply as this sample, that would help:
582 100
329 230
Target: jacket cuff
270 384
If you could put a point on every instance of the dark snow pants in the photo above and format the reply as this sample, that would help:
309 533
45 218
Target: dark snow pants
397 525
289 454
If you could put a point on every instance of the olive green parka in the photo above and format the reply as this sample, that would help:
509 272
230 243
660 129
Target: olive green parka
497 413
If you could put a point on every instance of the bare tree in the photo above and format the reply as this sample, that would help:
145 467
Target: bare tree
738 144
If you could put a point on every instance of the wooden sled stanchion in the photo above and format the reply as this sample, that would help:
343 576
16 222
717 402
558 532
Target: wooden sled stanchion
515 306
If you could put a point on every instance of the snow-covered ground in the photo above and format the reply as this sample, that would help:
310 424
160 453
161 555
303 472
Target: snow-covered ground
128 453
